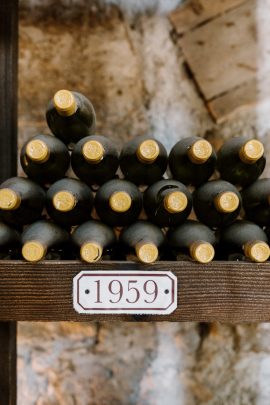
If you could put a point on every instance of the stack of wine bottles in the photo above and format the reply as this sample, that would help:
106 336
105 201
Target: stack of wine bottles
139 203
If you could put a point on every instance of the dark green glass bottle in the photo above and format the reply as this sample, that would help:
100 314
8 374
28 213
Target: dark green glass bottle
167 203
217 203
92 240
193 239
10 242
256 202
69 202
241 161
21 201
118 202
44 159
95 159
247 238
44 240
143 160
143 239
70 116
192 161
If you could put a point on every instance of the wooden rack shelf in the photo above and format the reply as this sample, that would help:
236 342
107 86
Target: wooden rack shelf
218 291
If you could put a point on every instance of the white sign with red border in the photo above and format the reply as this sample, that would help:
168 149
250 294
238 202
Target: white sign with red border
125 292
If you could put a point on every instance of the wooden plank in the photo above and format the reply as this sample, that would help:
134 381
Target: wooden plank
222 54
8 356
195 12
242 98
218 291
8 168
8 88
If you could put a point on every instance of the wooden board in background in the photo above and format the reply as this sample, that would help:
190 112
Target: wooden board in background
221 50
194 12
223 54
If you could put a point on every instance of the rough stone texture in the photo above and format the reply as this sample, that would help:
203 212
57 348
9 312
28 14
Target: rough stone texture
123 56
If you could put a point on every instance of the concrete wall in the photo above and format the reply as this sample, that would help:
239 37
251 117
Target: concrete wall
122 55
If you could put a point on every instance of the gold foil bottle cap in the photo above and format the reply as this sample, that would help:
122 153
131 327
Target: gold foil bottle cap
202 252
93 151
257 251
37 151
91 252
148 151
65 103
176 201
251 151
146 252
226 202
200 151
9 199
64 201
120 201
33 251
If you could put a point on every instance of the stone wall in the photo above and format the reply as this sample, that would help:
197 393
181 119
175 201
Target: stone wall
122 54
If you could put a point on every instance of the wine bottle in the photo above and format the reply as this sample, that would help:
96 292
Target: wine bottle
143 160
21 201
144 240
69 202
192 161
70 116
245 237
10 242
118 202
217 203
95 159
256 202
241 161
193 239
93 239
167 203
44 239
44 158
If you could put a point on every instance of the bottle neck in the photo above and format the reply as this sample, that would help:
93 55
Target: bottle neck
9 199
91 252
226 202
201 251
146 252
37 151
64 201
175 201
257 251
34 251
120 201
65 103
251 151
148 151
200 151
93 152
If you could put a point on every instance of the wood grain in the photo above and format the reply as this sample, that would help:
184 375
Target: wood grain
223 53
8 168
219 291
195 12
242 98
8 88
8 358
